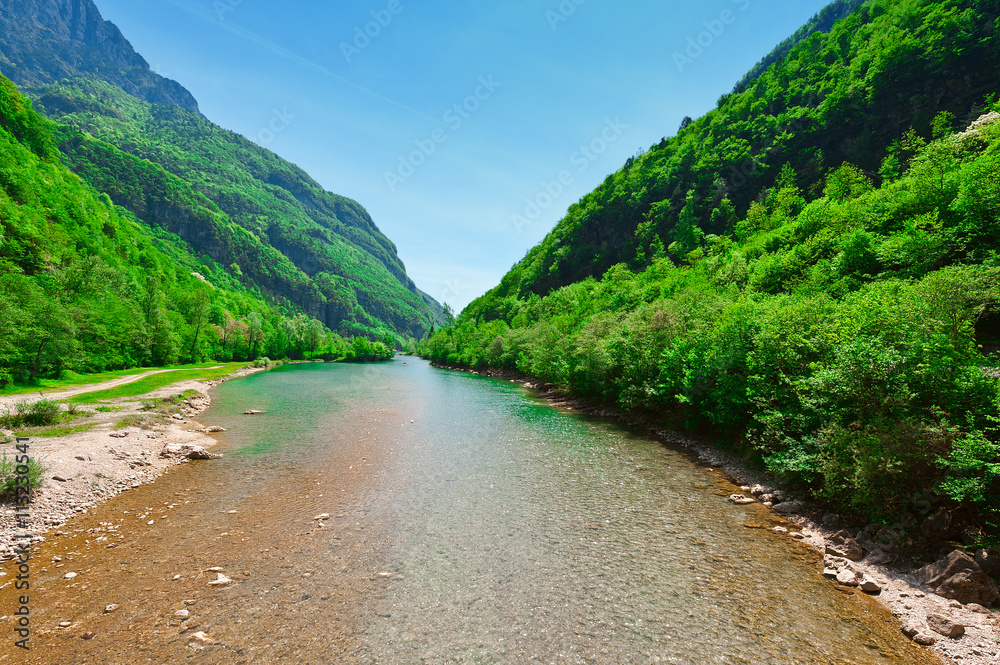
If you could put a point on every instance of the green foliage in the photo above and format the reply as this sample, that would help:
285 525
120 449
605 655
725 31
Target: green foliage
34 414
86 287
10 479
833 339
254 219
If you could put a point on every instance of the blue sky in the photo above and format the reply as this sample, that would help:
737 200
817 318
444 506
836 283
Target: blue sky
451 122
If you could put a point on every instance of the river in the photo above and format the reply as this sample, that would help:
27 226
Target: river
469 522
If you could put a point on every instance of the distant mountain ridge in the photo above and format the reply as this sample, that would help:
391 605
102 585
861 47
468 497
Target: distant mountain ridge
43 41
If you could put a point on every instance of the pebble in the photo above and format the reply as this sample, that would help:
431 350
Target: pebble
222 580
59 479
65 624
181 614
741 500
88 635
215 569
780 529
322 516
201 637
110 608
69 576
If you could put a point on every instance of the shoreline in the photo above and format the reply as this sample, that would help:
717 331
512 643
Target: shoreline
898 590
84 469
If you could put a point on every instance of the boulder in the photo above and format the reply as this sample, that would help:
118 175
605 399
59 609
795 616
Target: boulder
970 587
789 507
937 526
945 625
958 576
842 545
188 450
989 561
868 585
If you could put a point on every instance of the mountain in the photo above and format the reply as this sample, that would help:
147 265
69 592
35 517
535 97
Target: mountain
823 21
43 41
809 274
125 130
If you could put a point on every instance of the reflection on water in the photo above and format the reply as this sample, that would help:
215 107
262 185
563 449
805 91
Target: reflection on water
468 522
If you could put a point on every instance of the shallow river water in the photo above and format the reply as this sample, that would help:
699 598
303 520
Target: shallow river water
469 522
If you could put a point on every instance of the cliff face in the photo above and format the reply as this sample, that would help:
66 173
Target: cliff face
43 41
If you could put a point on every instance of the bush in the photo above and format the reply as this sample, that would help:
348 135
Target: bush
9 475
37 414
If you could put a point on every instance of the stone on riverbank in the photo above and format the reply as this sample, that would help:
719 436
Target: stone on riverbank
188 450
842 545
945 625
790 507
741 500
958 577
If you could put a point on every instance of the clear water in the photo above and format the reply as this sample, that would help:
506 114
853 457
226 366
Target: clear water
469 523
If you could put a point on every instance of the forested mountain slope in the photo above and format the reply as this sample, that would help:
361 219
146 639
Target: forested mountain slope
842 96
85 286
320 252
827 313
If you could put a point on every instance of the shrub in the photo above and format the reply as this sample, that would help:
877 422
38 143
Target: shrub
9 475
37 414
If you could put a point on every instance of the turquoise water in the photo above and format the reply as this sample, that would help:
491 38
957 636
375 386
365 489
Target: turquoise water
468 522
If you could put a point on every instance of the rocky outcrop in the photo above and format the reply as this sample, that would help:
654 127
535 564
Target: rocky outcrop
958 577
44 41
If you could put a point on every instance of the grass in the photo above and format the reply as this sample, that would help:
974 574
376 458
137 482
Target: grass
74 380
52 432
151 383
142 421
39 413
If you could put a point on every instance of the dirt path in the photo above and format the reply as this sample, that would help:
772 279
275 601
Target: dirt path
8 400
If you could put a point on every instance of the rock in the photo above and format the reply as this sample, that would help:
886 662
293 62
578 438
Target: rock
59 479
877 556
789 507
887 537
88 635
118 435
945 625
970 588
970 535
215 428
937 526
842 545
989 561
741 500
181 614
780 529
252 412
201 638
187 450
977 608
322 516
65 624
110 608
215 569
757 490
797 535
847 577
868 585
911 627
222 580
831 519
959 577
69 576
925 639
81 458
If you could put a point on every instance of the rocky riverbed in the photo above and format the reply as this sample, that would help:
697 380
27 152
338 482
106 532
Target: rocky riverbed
85 468
948 605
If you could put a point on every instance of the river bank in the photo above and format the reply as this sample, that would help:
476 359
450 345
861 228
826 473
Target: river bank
121 448
888 575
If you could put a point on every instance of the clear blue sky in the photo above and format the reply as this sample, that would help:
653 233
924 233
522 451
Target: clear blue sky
552 77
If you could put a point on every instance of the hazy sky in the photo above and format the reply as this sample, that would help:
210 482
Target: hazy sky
451 122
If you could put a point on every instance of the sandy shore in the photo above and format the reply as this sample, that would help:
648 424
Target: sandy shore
86 468
900 592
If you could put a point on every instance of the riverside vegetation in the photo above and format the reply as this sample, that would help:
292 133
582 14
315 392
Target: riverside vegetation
810 272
